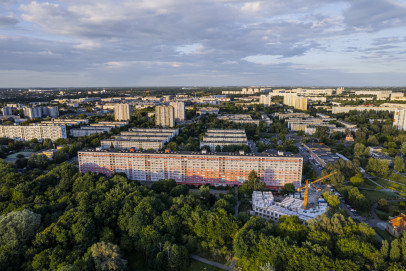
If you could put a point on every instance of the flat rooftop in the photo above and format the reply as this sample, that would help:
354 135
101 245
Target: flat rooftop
287 155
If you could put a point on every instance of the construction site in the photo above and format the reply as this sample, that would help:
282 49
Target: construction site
306 204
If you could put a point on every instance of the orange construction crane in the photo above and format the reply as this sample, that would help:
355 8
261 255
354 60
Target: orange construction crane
306 187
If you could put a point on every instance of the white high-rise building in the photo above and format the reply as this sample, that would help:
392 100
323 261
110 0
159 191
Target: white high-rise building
165 116
7 111
33 112
289 99
399 119
292 99
266 100
301 103
53 111
41 111
179 108
122 112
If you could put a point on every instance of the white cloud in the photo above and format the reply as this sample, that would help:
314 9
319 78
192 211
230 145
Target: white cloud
228 38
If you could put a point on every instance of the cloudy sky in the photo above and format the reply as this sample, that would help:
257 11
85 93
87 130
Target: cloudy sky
202 43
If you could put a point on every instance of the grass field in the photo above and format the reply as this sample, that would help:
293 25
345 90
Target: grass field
25 153
369 185
390 185
397 178
374 196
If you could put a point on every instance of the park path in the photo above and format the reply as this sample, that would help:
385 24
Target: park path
215 264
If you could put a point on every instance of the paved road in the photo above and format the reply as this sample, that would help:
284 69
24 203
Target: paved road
206 261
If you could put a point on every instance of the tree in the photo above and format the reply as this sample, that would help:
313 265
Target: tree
254 182
289 188
360 150
398 164
107 257
17 228
372 141
173 146
357 180
218 148
383 205
394 253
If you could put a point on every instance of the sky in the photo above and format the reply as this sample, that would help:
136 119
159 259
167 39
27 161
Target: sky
89 43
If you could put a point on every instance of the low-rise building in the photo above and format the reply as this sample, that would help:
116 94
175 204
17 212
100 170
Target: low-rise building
322 153
397 225
48 153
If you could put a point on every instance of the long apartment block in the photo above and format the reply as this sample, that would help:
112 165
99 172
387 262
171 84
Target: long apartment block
140 139
145 144
39 132
223 137
195 168
173 132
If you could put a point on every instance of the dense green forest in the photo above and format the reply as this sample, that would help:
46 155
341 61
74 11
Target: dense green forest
65 220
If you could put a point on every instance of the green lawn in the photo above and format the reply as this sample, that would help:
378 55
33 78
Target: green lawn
25 153
390 185
374 196
397 178
369 185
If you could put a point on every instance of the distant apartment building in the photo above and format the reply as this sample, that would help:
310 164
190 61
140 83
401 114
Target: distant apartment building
112 124
122 112
266 100
298 102
239 118
346 109
171 132
223 137
246 91
145 144
89 130
179 110
68 122
7 111
208 111
41 111
399 119
144 139
195 168
27 133
165 116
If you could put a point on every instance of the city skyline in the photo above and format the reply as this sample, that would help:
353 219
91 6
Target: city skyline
202 43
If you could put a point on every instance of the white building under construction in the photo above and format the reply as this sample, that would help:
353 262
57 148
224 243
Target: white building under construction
264 205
